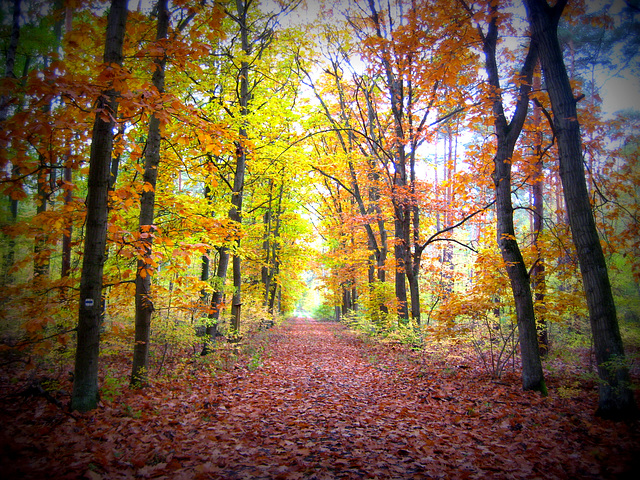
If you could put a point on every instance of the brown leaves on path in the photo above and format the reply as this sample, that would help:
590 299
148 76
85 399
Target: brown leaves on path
323 405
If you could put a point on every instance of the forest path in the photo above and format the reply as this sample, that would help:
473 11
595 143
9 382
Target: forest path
321 403
326 405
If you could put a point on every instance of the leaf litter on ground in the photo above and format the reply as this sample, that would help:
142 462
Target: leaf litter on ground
323 404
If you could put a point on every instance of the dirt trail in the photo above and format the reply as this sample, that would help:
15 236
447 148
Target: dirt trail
326 410
323 405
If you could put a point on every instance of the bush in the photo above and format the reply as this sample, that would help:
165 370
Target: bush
325 313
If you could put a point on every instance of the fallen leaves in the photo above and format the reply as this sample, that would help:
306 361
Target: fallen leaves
322 405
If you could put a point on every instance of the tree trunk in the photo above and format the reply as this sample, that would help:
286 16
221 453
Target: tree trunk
507 134
271 248
398 194
65 268
85 385
4 111
235 213
538 281
616 398
211 329
9 69
266 272
147 229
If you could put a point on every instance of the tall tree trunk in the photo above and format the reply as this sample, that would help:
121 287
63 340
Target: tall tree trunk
374 199
615 397
235 213
143 300
9 69
41 252
9 255
538 281
402 217
85 384
266 270
205 267
413 267
274 269
507 134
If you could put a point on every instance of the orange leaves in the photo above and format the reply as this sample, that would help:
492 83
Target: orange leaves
211 144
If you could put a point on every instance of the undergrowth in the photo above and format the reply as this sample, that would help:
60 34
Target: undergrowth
174 355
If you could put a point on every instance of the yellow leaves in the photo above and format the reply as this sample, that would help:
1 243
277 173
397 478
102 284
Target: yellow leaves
209 143
76 38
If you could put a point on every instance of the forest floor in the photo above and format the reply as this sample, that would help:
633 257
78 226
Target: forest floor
317 401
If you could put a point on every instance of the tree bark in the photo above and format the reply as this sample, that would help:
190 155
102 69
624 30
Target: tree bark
235 213
65 268
615 397
9 69
85 385
401 210
147 229
9 256
538 280
507 134
41 251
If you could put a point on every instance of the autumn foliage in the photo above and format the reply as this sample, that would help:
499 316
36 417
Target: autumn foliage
384 164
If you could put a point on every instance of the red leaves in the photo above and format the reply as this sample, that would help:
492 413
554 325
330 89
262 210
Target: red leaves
324 405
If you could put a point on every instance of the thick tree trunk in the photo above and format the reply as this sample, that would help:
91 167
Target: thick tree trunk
10 55
147 229
413 270
616 398
413 277
235 214
532 376
400 202
85 384
41 252
400 249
